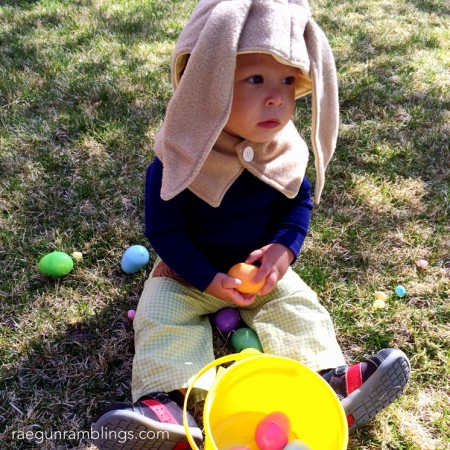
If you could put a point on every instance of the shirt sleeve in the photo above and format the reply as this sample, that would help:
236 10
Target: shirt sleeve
165 228
295 216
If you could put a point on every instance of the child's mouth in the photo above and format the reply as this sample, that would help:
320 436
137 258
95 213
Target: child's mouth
269 124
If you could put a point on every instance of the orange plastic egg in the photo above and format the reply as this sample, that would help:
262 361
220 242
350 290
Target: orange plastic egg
246 273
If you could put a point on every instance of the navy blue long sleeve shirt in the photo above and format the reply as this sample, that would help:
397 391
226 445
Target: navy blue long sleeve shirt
197 240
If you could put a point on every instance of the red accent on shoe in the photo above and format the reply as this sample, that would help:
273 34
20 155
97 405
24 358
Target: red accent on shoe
353 378
350 420
182 446
163 414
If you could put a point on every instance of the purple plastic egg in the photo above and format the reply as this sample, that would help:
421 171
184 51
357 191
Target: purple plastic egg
227 320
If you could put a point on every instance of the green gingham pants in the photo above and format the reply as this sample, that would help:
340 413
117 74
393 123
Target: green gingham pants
173 335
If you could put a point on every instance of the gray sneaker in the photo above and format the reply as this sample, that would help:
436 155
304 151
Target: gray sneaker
154 422
368 387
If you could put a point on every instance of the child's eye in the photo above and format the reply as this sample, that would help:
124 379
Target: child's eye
255 79
289 81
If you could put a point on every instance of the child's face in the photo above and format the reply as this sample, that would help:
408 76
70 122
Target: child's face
263 97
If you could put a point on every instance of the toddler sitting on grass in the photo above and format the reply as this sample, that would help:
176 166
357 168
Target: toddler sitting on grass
228 185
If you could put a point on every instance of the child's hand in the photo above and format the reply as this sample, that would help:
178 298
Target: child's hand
275 260
224 287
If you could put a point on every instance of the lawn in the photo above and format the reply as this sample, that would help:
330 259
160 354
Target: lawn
83 88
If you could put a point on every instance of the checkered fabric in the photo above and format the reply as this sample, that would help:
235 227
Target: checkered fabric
173 335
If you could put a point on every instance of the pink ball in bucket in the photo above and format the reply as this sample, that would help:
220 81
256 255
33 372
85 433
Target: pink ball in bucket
272 432
227 320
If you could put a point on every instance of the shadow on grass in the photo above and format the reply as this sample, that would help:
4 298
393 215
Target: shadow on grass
75 147
59 385
431 6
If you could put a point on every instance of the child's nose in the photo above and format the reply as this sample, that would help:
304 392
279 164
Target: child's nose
274 99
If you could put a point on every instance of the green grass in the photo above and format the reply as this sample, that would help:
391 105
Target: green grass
83 89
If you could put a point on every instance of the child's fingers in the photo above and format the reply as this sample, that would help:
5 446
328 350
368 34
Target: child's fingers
263 271
271 281
255 255
242 299
231 282
233 295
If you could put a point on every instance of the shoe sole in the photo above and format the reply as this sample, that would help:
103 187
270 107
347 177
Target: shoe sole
379 391
127 430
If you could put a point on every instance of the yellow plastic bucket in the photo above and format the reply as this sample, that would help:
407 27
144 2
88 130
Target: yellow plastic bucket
259 384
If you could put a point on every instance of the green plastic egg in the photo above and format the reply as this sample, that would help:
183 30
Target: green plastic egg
244 338
56 264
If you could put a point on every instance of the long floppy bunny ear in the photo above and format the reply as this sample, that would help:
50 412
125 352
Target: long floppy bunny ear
202 99
217 31
325 103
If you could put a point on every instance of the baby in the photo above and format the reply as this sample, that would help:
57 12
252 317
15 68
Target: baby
228 185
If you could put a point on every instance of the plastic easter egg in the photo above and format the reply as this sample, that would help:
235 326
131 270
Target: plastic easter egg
134 259
246 273
422 264
380 295
400 290
379 304
272 432
56 264
131 314
245 338
227 320
250 351
77 256
297 444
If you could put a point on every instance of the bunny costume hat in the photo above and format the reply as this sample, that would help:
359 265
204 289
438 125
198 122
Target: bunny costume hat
195 152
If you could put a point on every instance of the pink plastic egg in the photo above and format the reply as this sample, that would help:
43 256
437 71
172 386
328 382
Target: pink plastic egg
422 264
272 432
131 314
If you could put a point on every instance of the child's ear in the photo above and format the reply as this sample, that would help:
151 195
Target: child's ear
204 95
325 102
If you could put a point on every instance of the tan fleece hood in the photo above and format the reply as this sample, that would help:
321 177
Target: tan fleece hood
203 67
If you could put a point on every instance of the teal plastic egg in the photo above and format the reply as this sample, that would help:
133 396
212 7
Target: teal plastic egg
134 258
56 264
244 338
400 290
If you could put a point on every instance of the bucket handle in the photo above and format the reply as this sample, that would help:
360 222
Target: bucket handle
217 362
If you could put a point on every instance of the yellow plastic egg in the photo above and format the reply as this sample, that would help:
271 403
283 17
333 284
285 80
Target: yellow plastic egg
379 304
77 255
